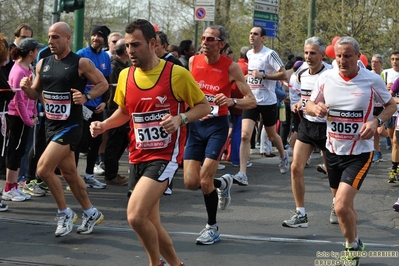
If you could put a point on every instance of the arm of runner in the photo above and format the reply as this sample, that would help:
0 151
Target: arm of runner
248 101
88 69
117 119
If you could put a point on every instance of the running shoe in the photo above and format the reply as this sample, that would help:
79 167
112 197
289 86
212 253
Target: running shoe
249 164
92 182
377 157
33 189
65 223
41 184
98 170
12 195
224 194
89 222
308 161
321 168
284 164
221 166
290 150
392 176
396 206
241 179
3 207
20 192
350 256
333 215
208 236
388 143
297 220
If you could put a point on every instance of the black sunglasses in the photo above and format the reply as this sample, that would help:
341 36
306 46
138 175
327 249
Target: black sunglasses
114 41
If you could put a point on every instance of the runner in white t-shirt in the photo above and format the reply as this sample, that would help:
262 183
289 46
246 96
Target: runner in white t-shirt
311 130
347 98
389 76
264 69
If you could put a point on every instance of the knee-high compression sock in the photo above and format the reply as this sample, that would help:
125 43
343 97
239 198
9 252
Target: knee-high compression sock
211 204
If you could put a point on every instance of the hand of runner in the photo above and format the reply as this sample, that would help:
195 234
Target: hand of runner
170 123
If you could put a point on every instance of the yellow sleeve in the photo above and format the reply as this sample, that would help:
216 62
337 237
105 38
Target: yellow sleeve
120 92
184 86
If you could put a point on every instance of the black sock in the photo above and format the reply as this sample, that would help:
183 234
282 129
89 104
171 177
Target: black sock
211 204
394 166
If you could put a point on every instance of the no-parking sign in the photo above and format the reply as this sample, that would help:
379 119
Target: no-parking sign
204 10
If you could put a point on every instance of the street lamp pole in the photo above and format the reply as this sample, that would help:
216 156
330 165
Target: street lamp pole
312 17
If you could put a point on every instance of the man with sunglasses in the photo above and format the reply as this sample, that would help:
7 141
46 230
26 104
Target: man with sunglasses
114 37
214 74
264 69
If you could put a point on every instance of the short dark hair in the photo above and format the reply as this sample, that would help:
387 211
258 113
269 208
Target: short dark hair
145 26
185 45
17 32
163 37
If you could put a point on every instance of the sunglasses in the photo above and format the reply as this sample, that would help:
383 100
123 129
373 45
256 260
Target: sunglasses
210 39
114 41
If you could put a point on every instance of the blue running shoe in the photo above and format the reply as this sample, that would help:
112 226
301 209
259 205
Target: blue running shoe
377 157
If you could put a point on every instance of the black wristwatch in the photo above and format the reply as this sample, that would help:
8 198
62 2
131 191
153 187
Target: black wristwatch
88 96
264 76
234 102
380 121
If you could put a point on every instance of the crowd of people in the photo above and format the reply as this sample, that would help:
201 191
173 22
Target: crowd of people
172 107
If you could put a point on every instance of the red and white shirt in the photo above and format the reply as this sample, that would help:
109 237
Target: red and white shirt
351 104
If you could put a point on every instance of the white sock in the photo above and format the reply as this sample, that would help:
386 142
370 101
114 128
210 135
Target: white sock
90 211
301 210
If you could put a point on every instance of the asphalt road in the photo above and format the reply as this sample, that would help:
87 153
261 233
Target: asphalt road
251 229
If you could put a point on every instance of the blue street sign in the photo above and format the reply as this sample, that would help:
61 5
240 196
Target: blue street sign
271 33
266 24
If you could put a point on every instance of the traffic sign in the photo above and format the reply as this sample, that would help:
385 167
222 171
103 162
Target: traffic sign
208 2
204 13
200 13
266 24
268 2
265 16
271 33
266 8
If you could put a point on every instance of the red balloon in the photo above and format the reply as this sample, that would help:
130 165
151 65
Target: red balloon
364 59
334 40
330 51
155 27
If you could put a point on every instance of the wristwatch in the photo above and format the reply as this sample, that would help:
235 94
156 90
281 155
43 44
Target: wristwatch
235 102
264 75
184 119
88 96
380 121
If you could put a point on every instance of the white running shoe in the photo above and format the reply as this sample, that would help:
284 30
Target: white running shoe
208 236
284 164
92 182
224 194
89 222
221 166
65 223
241 179
26 196
12 195
98 170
